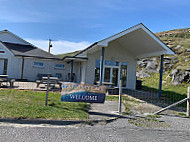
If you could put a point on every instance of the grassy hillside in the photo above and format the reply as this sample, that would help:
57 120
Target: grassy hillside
177 40
68 54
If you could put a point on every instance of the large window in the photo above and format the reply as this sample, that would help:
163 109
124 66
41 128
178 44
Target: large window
38 64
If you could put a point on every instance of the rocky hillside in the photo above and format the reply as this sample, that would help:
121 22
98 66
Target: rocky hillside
176 66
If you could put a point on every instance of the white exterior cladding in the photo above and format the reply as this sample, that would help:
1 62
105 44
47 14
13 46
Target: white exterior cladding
14 63
119 54
126 46
30 72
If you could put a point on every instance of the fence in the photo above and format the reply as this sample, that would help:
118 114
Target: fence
140 101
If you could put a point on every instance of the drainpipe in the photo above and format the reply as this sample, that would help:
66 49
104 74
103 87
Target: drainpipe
71 72
161 73
101 66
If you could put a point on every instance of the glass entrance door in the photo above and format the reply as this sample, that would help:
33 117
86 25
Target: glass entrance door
111 75
107 74
115 76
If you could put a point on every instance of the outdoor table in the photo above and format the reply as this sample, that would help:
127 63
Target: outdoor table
52 80
3 78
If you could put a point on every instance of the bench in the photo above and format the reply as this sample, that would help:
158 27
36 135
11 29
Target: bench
52 81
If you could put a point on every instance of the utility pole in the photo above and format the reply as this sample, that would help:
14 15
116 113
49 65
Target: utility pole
50 45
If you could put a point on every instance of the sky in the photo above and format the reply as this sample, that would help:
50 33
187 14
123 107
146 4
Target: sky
75 24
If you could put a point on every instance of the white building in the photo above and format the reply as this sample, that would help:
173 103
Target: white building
22 60
105 61
115 57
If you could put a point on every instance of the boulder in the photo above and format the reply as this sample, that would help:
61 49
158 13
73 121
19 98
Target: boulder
187 59
182 76
152 65
188 50
178 46
142 74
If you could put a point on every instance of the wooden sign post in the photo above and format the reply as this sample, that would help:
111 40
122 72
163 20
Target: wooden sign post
188 101
47 91
120 96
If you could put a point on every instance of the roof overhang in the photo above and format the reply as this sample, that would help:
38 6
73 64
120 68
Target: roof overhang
139 41
75 59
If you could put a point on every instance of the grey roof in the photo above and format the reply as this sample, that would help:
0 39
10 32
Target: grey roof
28 51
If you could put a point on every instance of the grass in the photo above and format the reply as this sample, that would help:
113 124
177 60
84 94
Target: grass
148 122
30 105
68 54
125 101
172 92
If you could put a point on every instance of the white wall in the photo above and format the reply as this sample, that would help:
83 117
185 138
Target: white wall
14 63
31 71
120 54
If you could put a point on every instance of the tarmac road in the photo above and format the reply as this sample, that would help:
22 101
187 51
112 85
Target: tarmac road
117 131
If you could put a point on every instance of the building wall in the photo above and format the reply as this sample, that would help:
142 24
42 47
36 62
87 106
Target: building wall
120 54
14 63
31 71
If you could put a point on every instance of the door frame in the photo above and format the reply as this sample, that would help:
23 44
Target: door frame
111 72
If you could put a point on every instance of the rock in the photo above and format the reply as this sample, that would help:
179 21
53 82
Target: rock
180 77
178 46
142 74
188 69
174 72
152 65
187 59
188 50
163 82
170 58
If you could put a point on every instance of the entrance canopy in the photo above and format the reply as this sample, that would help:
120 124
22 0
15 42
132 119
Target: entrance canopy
139 41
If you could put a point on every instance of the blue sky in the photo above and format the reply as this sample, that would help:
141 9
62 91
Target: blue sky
74 24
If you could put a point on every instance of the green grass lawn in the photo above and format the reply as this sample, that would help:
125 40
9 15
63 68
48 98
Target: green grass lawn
172 92
30 105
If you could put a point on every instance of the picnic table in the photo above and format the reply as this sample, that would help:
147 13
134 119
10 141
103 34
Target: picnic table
4 78
52 81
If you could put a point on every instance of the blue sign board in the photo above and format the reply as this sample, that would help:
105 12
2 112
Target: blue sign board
88 97
83 93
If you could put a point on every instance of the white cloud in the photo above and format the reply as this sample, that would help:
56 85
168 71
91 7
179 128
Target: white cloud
60 46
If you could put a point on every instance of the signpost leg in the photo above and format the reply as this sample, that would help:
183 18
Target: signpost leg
188 101
120 96
47 91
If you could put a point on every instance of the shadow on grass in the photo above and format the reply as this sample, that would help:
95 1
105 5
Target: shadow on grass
151 96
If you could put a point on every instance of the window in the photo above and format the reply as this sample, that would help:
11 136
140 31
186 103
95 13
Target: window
60 66
5 66
38 64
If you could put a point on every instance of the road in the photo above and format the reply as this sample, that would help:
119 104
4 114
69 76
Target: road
117 131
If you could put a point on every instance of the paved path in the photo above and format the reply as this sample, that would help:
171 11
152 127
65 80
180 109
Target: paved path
108 110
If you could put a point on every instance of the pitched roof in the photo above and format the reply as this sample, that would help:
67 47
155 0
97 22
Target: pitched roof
159 47
28 51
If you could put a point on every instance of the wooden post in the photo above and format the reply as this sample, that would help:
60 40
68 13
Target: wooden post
188 101
120 96
47 91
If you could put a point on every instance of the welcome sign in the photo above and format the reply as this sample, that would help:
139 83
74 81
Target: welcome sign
72 92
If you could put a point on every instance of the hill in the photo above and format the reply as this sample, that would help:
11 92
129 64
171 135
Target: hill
68 54
176 76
